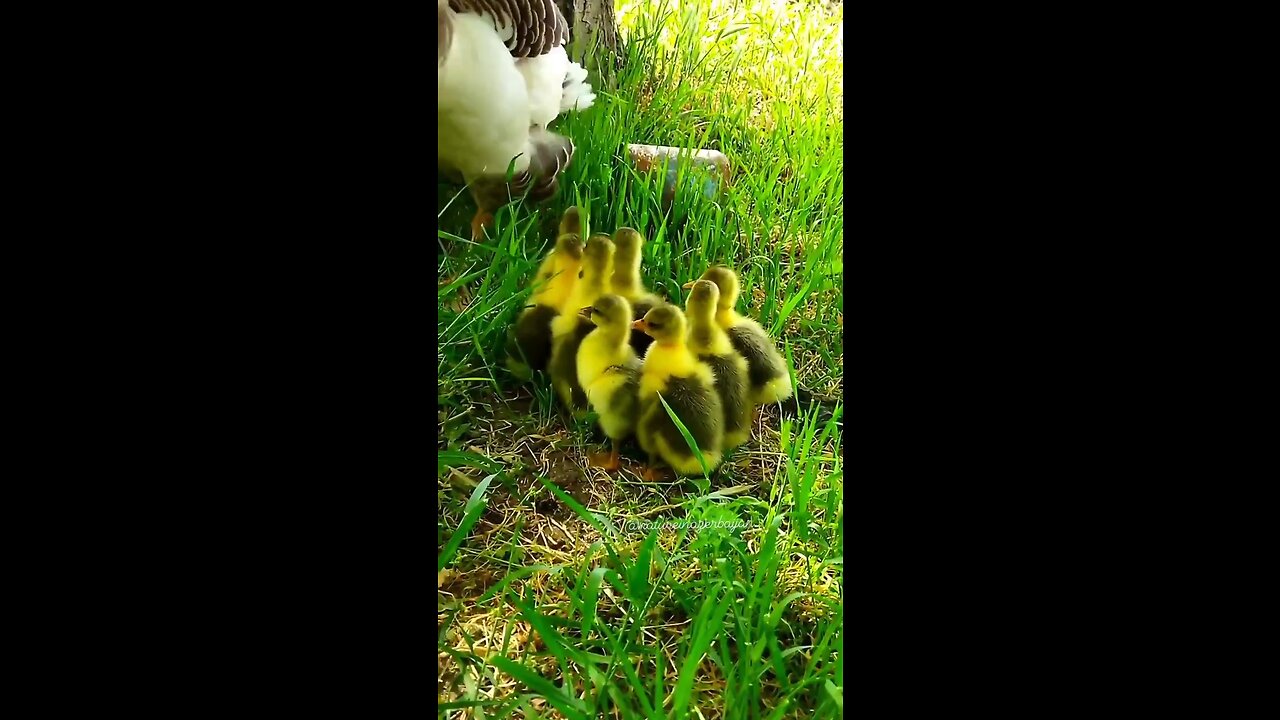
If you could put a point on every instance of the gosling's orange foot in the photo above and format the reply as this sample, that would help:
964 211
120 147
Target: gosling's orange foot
605 461
481 221
654 475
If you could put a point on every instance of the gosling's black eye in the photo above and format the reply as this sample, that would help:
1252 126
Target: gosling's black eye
580 272
655 325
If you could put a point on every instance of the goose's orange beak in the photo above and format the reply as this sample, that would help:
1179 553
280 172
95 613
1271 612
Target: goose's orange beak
640 325
688 285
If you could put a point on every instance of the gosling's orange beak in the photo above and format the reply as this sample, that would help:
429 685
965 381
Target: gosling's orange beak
586 312
688 285
640 325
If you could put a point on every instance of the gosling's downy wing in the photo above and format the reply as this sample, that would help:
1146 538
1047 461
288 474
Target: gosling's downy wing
532 336
763 361
698 407
731 385
564 364
528 28
626 399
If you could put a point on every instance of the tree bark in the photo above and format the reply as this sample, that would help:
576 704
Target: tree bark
593 36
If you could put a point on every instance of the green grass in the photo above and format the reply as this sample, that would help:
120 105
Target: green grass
557 598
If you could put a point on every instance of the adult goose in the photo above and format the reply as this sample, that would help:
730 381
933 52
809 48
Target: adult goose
503 77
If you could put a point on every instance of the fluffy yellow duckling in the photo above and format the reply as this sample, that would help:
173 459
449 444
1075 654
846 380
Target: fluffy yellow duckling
568 329
627 282
767 374
609 373
529 341
710 344
688 386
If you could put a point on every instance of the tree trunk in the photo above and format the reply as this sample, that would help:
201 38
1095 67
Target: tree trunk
593 36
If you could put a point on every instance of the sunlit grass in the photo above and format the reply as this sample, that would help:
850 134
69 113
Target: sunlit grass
553 601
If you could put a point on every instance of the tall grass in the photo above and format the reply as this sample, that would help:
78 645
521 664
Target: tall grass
556 599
